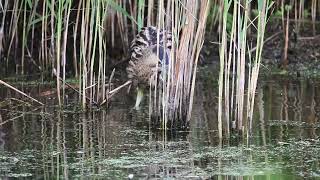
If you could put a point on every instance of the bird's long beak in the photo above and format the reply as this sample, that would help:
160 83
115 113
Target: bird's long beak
139 97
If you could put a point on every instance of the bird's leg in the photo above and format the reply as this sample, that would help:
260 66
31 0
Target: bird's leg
139 97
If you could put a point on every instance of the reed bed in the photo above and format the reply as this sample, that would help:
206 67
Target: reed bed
65 38
187 22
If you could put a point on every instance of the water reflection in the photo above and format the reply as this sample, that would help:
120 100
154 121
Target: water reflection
48 142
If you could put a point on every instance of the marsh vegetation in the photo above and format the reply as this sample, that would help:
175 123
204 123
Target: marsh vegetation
238 98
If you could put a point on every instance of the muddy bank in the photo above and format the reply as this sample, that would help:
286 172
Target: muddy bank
303 51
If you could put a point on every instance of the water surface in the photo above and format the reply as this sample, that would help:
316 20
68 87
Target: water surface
117 143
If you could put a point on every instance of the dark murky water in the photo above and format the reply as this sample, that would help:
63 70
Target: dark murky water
46 142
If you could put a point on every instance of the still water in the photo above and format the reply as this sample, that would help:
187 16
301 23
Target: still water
118 143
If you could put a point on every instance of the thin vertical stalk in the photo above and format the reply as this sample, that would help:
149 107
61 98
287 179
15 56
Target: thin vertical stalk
141 14
263 9
75 35
223 47
24 38
2 36
285 60
52 23
150 12
42 56
313 15
67 10
228 107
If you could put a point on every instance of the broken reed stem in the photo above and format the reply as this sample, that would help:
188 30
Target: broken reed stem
20 92
120 87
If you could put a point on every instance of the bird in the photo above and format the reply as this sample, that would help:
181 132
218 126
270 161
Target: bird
150 51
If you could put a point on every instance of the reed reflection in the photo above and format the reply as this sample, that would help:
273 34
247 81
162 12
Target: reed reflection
117 142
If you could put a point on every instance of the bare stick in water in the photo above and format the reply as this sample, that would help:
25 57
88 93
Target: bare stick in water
17 90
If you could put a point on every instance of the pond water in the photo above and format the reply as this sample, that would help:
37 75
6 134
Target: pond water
118 143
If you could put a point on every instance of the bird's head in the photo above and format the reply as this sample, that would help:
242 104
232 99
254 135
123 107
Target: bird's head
163 54
156 54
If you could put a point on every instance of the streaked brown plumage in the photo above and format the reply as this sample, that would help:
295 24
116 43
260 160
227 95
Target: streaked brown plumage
142 68
142 72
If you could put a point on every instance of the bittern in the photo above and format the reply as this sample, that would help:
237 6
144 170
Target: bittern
150 52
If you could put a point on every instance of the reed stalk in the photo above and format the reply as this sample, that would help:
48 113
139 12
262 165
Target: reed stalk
300 15
150 15
24 38
189 18
58 50
13 28
285 60
43 55
141 13
222 50
4 9
197 46
313 15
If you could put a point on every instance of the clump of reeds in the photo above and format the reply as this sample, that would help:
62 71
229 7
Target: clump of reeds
44 33
187 21
234 56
